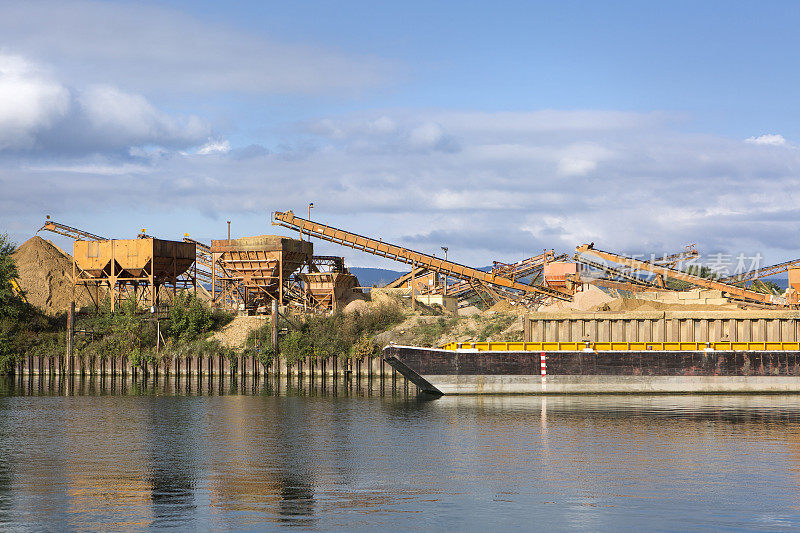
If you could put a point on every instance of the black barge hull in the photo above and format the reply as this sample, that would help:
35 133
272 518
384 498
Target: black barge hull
438 372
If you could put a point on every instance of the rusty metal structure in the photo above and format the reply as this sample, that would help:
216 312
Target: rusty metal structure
148 269
253 271
328 284
527 267
227 294
630 281
405 279
671 260
627 279
415 259
753 275
69 231
732 291
468 290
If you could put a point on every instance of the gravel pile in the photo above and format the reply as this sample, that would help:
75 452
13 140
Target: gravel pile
235 333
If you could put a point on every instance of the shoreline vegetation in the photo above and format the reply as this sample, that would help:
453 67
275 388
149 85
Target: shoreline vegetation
192 328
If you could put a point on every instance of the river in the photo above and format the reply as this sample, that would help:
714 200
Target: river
128 456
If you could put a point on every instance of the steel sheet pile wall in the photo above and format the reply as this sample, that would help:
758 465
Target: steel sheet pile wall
664 326
368 367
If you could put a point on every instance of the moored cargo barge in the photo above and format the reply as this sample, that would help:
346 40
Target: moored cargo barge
612 368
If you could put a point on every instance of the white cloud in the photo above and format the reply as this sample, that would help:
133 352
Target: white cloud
426 135
770 139
215 146
581 159
99 169
571 166
383 125
30 100
129 119
506 193
40 114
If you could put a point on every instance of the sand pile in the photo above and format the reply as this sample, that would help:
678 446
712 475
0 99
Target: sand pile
630 304
45 274
633 304
588 299
359 306
506 307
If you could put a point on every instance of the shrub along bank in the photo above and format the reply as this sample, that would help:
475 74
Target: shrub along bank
128 332
335 335
26 330
23 327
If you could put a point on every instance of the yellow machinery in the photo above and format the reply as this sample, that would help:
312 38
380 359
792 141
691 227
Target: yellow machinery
18 290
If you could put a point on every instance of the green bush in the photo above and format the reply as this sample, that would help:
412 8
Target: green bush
494 326
335 335
23 327
191 319
259 344
427 334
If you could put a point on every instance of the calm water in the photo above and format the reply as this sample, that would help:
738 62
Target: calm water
90 456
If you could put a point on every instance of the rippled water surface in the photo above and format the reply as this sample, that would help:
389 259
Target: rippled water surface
129 457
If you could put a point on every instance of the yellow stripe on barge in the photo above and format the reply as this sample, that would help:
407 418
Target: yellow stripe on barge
621 346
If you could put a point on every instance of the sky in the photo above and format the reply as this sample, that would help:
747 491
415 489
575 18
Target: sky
494 129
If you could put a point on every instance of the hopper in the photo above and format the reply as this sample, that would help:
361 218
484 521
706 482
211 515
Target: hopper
330 290
258 265
134 258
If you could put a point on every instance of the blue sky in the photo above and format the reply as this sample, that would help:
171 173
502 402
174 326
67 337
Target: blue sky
496 129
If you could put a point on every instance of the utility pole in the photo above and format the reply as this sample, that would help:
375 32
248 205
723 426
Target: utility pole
70 331
445 248
275 327
413 286
310 207
229 232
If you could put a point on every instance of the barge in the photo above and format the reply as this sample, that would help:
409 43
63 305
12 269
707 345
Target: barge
600 368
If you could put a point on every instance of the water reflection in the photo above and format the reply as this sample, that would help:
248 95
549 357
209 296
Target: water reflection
259 454
173 460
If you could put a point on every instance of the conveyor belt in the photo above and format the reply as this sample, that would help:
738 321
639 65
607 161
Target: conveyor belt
404 255
69 231
636 264
762 272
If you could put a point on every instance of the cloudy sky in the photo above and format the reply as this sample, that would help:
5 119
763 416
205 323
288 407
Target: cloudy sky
496 129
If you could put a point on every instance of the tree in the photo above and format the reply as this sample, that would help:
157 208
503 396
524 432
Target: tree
10 303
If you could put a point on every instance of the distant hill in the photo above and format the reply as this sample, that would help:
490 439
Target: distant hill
367 277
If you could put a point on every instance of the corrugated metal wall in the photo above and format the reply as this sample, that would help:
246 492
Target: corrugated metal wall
664 326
